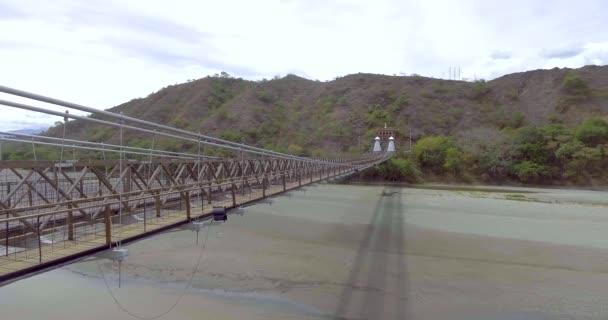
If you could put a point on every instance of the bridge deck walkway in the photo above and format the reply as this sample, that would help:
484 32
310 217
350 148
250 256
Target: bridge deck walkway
93 238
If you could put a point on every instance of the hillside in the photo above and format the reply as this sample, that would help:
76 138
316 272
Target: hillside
540 127
342 114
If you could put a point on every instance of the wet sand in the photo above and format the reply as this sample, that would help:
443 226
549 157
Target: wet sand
355 252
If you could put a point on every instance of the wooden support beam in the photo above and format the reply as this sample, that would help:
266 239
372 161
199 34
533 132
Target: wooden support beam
70 223
202 200
108 226
157 203
187 194
284 183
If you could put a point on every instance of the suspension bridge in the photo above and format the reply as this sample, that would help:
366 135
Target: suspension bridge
54 211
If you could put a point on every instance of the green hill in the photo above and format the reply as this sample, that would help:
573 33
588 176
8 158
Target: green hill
311 118
341 113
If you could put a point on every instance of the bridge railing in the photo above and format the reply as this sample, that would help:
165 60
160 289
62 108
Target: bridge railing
61 207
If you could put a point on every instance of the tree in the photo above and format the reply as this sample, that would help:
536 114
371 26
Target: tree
231 135
487 151
295 149
592 132
529 144
517 120
453 161
575 85
430 152
528 171
579 160
567 150
479 89
399 169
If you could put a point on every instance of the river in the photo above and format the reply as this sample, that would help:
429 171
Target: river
353 252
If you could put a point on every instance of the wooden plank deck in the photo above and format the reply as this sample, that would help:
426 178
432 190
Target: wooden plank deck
95 238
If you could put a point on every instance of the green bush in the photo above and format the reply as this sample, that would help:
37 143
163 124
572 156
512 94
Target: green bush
265 96
430 152
528 171
530 144
220 92
399 169
568 150
592 132
575 85
517 120
231 135
479 89
377 117
454 162
295 149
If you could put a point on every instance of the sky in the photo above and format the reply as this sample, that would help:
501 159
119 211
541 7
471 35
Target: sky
104 53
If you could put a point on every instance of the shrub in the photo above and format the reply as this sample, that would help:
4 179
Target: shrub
453 161
399 169
220 92
527 171
575 85
265 96
592 132
376 117
530 144
479 89
232 135
430 152
295 149
517 120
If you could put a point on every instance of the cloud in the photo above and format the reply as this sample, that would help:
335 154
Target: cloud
119 18
597 58
175 55
74 47
562 52
38 116
498 54
8 11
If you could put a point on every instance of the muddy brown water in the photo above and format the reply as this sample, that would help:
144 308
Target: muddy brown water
354 252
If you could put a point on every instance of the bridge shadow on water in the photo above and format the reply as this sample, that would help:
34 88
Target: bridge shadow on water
377 283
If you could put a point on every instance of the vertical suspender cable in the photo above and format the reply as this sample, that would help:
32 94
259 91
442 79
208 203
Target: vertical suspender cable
103 154
242 173
34 150
148 176
120 181
65 122
200 168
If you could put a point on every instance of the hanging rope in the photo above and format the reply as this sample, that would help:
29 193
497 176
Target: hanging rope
179 298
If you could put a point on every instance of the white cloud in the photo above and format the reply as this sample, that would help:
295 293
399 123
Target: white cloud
102 53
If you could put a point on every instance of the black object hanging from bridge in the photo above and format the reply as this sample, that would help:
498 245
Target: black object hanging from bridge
219 214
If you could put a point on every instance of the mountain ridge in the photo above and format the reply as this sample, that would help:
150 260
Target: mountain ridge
342 115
